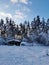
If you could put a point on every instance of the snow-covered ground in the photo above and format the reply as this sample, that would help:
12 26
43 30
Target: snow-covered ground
24 55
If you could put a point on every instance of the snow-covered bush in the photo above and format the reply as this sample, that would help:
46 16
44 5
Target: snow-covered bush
33 37
42 38
2 41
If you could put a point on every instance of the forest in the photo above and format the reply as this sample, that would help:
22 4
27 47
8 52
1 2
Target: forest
37 30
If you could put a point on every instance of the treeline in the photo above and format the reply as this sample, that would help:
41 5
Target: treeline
10 28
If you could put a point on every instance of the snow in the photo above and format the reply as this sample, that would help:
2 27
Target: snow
24 55
25 42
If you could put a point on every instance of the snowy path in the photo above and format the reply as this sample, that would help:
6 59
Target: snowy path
23 55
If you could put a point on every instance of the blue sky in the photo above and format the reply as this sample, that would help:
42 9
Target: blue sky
21 10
